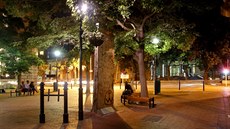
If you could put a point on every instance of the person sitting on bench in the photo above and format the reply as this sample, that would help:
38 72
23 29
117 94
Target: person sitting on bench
26 87
32 87
128 89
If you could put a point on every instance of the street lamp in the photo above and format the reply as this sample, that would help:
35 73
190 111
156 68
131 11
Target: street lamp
82 10
155 41
57 54
226 74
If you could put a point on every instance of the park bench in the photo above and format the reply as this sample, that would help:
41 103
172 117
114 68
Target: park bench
135 97
16 92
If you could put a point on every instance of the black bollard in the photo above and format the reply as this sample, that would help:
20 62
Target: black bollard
203 86
42 115
120 83
65 115
58 95
48 94
179 84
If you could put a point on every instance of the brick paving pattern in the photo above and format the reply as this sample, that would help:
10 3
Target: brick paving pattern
189 108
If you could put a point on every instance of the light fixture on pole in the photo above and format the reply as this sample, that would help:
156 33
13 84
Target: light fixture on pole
57 54
226 76
156 83
155 40
83 9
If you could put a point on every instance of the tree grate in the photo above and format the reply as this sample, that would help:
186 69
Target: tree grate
152 118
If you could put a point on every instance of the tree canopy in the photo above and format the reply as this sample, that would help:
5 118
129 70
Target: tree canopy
180 25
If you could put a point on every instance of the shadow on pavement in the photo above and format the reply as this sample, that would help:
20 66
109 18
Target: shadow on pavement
109 121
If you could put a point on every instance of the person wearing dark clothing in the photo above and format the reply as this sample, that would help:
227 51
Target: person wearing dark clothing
128 89
32 87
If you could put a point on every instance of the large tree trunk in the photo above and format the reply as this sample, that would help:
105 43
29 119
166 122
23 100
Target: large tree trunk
19 80
168 71
140 60
186 71
206 80
104 70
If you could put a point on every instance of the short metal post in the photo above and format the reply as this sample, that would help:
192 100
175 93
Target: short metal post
153 101
42 115
65 115
136 84
203 86
120 83
58 95
150 102
124 100
48 95
179 84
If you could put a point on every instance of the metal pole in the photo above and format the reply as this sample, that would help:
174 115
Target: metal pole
203 86
42 115
120 83
80 112
179 83
56 86
65 115
136 84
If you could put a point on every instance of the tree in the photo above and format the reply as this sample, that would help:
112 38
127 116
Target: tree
38 24
17 62
212 30
139 19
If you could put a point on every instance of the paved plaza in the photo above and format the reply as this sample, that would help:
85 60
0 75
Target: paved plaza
187 108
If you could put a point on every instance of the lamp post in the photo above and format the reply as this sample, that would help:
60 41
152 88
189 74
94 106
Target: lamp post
154 76
226 74
57 53
80 105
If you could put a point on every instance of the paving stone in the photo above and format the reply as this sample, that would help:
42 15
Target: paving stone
189 108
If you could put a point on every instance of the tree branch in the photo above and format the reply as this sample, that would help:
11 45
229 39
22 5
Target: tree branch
146 18
120 24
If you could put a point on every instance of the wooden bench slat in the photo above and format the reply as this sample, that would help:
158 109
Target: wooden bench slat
141 99
17 93
148 100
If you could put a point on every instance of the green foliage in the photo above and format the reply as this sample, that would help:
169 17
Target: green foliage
173 30
17 62
124 44
153 5
179 24
37 19
32 9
